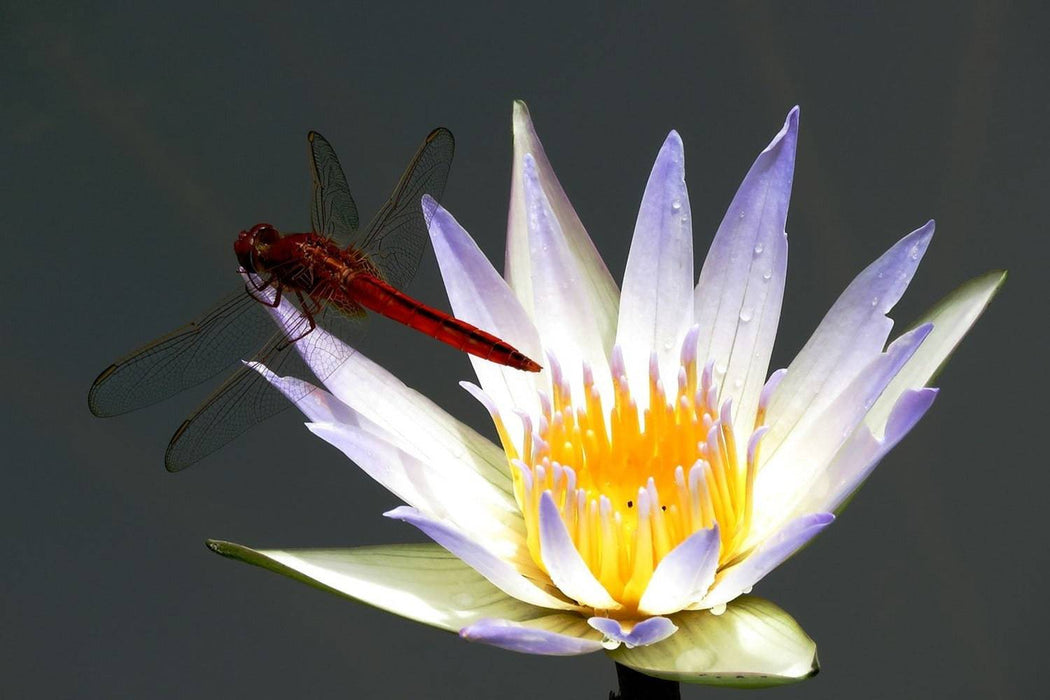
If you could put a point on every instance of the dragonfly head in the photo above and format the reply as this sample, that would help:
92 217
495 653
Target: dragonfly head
251 246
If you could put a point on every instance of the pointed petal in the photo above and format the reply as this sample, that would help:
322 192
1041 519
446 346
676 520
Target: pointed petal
481 297
859 456
656 305
417 423
774 551
561 634
783 481
422 582
684 575
596 285
853 332
952 318
753 644
648 631
441 490
564 564
515 579
564 314
741 285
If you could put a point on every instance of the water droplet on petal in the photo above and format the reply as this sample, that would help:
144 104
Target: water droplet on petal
745 315
759 248
676 204
875 301
718 609
767 274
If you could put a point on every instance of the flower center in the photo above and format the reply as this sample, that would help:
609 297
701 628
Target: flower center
631 485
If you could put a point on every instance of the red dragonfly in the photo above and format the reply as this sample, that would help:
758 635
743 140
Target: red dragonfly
333 274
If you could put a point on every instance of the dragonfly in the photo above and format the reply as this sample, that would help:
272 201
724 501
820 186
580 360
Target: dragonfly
331 275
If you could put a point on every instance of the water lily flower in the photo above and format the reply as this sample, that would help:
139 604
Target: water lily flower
655 471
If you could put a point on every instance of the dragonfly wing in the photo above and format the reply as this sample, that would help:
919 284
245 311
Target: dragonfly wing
248 397
398 235
230 330
333 212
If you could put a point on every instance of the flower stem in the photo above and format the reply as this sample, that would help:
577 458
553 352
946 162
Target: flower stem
638 686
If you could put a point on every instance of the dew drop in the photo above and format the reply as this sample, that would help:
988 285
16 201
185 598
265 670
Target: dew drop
745 315
720 368
741 215
875 301
759 248
676 204
767 274
718 609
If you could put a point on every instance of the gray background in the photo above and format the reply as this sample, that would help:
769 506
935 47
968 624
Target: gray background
136 143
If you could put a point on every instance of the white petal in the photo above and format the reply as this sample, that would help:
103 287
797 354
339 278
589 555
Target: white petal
741 285
422 582
684 575
753 644
951 317
418 424
564 564
440 490
564 314
479 296
508 577
656 305
596 285
852 333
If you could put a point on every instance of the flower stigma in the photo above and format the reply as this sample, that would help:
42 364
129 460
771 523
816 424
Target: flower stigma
630 484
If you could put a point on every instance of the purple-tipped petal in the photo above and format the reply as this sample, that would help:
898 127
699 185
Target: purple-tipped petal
952 318
509 578
656 304
774 551
852 333
595 283
565 316
563 562
741 285
648 631
856 459
684 575
784 479
555 635
479 296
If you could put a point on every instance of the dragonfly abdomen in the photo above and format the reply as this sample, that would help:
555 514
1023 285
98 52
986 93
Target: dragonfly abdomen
378 296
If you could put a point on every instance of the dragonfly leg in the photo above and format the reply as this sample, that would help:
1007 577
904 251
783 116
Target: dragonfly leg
307 309
248 287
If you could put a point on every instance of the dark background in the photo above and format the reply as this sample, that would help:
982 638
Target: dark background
136 143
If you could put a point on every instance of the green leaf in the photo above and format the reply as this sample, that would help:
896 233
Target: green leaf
422 582
753 644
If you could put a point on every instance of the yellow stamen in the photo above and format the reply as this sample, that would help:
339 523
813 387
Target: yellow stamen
632 485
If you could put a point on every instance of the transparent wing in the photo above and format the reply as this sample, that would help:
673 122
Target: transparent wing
187 356
398 235
333 212
248 397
